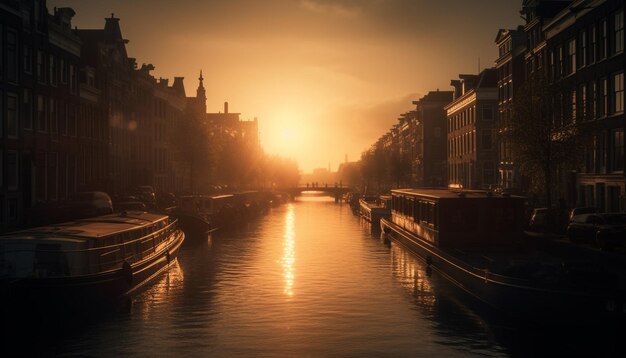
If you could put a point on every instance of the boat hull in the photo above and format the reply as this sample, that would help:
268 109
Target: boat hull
93 290
196 228
509 296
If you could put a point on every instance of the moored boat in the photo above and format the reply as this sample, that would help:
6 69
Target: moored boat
373 211
88 261
476 240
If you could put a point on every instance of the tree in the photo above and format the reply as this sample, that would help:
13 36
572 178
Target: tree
194 146
543 133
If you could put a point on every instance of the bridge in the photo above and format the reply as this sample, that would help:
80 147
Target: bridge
335 191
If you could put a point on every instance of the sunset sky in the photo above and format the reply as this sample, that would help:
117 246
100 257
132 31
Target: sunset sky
325 78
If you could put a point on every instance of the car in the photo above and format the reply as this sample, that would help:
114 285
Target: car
130 206
146 194
91 203
582 210
538 219
605 230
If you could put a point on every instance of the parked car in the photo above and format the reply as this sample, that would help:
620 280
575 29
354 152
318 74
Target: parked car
538 219
146 194
130 205
582 210
90 203
606 230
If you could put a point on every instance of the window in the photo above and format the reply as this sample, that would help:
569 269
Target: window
617 100
583 102
593 98
28 59
603 103
573 108
42 126
53 175
571 59
12 170
41 67
54 125
73 79
27 109
552 65
618 44
583 49
12 115
604 41
63 118
63 71
617 162
72 122
12 59
487 110
486 142
52 70
594 44
560 61
488 173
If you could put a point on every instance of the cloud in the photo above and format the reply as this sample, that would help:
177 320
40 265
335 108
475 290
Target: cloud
330 8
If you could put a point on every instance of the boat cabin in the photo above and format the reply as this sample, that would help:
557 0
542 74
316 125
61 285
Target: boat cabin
84 247
457 218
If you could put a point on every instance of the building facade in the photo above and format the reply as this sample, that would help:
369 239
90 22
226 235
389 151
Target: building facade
579 45
432 169
510 69
471 130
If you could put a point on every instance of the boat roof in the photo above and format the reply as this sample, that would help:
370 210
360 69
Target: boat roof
91 228
436 193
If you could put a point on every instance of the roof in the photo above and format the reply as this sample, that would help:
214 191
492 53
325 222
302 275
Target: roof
436 193
91 228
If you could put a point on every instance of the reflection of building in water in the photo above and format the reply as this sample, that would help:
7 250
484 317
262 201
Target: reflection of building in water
437 300
412 275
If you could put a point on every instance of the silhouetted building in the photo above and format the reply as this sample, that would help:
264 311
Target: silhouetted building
430 163
224 123
510 68
580 46
472 155
137 114
39 84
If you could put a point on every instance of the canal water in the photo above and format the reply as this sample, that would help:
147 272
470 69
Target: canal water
309 279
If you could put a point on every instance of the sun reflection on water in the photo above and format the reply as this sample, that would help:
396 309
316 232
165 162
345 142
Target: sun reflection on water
289 256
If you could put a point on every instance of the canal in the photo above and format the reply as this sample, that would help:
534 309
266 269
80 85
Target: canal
307 279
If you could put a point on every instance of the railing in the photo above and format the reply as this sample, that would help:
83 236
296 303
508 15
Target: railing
56 261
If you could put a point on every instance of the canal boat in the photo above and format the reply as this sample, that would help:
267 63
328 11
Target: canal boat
88 261
372 210
201 215
476 240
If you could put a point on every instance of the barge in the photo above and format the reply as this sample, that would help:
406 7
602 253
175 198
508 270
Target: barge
86 262
476 240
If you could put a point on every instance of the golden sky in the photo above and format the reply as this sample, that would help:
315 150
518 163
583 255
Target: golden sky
325 78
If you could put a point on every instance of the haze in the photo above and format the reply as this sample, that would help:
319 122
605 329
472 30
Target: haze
325 78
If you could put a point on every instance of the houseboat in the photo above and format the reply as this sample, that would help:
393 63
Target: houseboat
476 240
372 210
87 261
200 215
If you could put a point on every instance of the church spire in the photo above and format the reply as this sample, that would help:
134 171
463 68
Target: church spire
201 94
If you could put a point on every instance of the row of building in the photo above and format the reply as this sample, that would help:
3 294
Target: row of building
79 114
455 138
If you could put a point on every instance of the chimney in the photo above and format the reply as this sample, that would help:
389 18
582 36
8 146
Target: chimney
457 88
178 86
225 107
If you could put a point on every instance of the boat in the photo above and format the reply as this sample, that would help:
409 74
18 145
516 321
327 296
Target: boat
201 215
476 240
372 210
87 261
